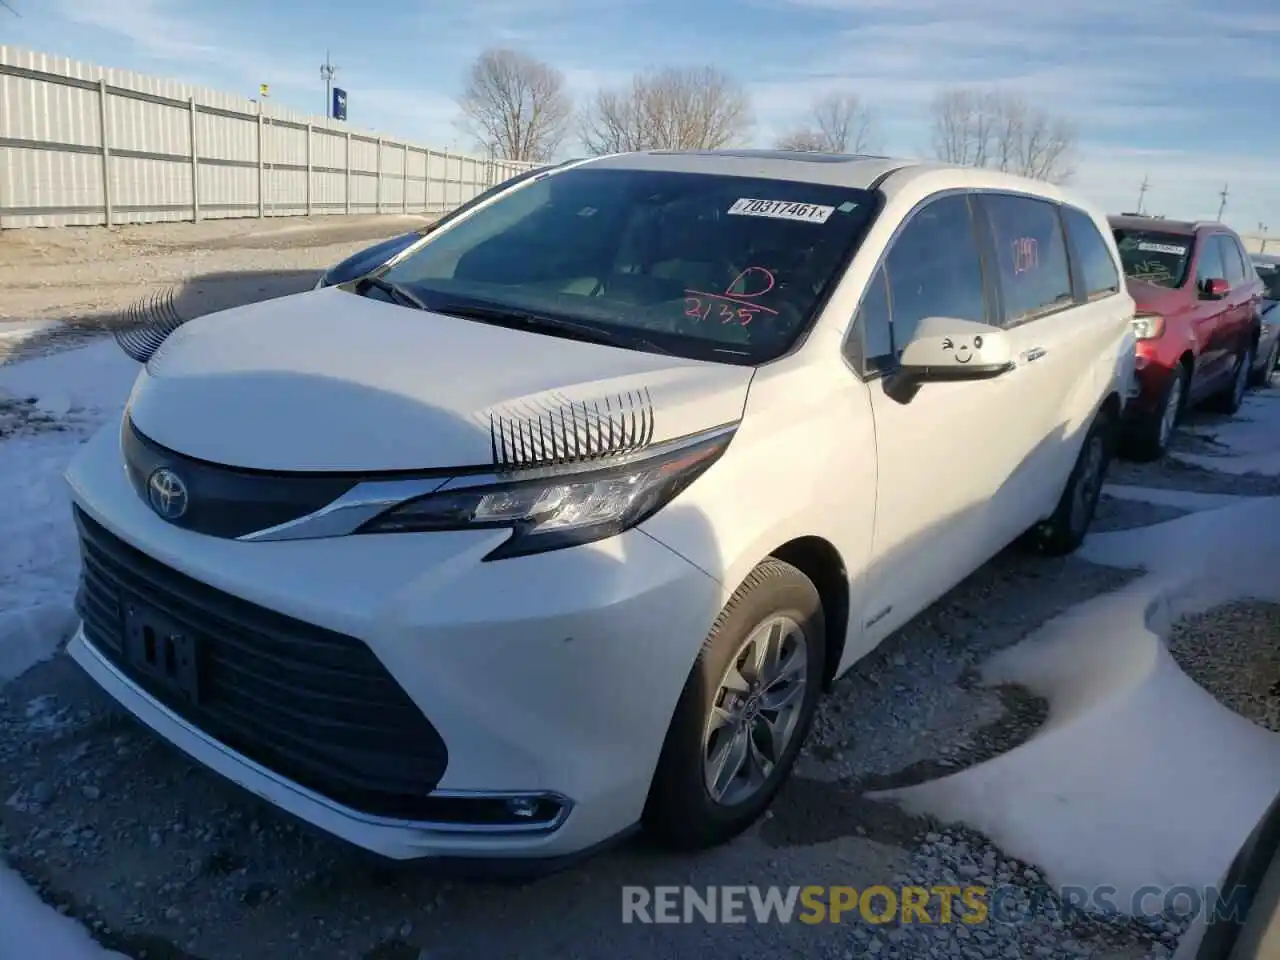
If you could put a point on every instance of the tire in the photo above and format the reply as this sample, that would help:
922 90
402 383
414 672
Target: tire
1261 377
681 811
1230 399
1065 530
1148 437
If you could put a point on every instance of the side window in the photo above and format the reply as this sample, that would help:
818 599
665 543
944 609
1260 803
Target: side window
1209 262
1031 254
1231 259
872 338
1097 269
934 269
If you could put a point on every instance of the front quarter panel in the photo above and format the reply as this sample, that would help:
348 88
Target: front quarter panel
802 464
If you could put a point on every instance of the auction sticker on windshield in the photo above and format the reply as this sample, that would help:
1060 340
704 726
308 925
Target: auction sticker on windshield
1162 248
781 210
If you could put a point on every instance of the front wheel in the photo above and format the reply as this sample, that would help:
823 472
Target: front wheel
1063 532
1147 437
1262 375
1231 399
744 711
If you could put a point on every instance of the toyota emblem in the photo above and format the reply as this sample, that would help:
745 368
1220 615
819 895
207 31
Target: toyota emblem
167 494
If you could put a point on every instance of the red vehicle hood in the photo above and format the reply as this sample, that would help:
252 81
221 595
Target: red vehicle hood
1152 298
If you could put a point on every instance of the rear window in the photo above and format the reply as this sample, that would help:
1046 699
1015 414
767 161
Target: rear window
1269 274
1097 268
1154 257
703 265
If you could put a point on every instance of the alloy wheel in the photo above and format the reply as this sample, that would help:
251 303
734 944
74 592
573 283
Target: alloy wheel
756 711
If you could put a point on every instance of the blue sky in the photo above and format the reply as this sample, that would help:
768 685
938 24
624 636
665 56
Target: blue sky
1185 92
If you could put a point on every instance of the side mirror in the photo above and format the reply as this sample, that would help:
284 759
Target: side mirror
948 349
1216 289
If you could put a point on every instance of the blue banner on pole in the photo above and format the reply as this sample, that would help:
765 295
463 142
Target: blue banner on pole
339 104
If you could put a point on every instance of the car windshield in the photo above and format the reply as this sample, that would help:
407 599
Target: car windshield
1269 274
1154 257
700 265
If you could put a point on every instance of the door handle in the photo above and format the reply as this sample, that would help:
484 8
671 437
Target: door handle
1035 353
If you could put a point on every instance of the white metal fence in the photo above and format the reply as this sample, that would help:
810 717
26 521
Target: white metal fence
1261 243
82 144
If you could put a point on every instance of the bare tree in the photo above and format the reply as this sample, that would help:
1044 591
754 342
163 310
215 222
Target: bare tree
697 108
803 139
515 107
838 123
993 128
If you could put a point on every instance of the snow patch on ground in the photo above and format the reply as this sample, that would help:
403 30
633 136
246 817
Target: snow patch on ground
14 333
1134 750
77 391
1168 497
80 389
29 928
1250 441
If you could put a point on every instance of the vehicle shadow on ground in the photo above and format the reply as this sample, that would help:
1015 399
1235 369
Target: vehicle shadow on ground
185 300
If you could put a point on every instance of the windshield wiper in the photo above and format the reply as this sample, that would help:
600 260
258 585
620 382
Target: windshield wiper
530 320
400 294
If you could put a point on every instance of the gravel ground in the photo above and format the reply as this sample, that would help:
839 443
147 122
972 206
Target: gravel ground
85 279
163 860
1233 651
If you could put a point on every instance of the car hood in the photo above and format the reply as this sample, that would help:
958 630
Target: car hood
331 381
1153 297
360 263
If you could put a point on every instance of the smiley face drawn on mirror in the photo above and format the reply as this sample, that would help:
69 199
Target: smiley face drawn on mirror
963 351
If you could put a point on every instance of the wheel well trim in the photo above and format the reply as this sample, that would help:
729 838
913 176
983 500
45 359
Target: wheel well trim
821 561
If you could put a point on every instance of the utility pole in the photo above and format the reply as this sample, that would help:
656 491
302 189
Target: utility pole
327 72
1222 206
1142 192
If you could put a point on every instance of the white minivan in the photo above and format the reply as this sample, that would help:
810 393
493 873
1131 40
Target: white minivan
560 523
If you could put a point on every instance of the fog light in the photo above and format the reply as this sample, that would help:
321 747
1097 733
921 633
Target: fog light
523 807
523 811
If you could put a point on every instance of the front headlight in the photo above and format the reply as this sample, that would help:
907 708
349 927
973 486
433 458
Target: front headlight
1148 326
558 509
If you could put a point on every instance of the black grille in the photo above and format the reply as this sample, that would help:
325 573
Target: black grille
313 705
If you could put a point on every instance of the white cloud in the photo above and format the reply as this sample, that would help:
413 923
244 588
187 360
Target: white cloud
1183 183
172 31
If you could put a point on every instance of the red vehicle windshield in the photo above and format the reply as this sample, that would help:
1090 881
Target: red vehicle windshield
1154 257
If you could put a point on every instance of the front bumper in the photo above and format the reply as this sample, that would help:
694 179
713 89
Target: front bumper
1150 381
554 674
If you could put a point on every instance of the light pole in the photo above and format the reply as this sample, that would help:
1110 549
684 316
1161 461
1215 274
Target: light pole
327 72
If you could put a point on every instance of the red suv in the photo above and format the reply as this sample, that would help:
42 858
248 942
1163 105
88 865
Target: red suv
1198 298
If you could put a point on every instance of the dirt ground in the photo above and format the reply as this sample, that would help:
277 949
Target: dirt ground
86 278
